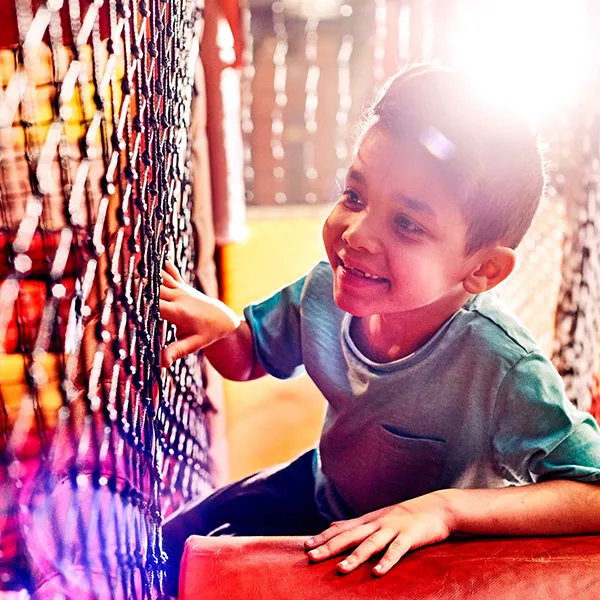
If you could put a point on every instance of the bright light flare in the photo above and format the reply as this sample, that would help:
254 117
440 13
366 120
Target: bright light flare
532 56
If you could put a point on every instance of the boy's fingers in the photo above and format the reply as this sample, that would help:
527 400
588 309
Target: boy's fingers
172 271
179 349
169 311
167 279
167 293
166 310
343 541
334 529
397 549
370 546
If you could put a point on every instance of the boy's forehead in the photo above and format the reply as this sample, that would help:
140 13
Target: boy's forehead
400 163
407 172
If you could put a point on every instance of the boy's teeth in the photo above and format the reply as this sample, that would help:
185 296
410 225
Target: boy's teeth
362 274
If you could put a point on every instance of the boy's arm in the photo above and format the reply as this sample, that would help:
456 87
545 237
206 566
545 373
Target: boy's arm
233 356
206 323
548 508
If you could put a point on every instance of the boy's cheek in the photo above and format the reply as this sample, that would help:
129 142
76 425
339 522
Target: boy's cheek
326 234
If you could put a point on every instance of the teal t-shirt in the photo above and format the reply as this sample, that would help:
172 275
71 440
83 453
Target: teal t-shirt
478 406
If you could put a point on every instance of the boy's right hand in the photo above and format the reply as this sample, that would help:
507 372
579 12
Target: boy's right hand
200 320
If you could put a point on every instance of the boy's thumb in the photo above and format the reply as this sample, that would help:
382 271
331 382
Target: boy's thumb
178 350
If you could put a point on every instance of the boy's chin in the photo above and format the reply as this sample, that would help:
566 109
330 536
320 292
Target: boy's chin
356 309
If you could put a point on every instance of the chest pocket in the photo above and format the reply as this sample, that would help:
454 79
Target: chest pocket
408 466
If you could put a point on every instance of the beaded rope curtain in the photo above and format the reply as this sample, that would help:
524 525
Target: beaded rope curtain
577 343
97 442
305 51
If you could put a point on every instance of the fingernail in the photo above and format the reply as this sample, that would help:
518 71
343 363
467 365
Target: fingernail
346 563
378 569
315 553
310 542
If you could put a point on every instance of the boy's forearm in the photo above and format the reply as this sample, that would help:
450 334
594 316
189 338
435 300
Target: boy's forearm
548 508
233 356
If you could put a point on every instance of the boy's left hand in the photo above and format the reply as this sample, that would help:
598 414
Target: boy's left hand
396 529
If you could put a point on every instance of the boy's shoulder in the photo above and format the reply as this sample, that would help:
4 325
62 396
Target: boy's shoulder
318 282
322 271
497 328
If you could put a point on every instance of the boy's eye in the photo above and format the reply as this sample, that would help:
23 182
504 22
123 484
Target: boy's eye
351 198
406 225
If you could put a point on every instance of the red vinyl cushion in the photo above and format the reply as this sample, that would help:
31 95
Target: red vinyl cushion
262 568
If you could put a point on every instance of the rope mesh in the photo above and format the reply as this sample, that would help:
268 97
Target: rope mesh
97 443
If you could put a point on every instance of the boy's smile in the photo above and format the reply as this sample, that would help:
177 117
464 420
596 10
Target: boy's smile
353 273
396 239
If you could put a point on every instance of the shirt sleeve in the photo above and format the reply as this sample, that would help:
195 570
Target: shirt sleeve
275 325
538 433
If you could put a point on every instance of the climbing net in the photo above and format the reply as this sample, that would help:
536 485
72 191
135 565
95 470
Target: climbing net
97 442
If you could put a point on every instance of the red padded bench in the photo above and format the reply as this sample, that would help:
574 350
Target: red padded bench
273 568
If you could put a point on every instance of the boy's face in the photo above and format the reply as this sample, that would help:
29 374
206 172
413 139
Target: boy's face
396 238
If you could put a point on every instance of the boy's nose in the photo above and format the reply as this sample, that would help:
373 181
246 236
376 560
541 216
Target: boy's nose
361 234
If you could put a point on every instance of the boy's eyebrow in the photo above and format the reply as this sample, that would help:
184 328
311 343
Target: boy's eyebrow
416 205
353 173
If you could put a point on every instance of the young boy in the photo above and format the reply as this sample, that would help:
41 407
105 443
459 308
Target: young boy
440 404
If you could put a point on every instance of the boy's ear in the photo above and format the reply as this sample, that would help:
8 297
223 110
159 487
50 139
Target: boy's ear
493 267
